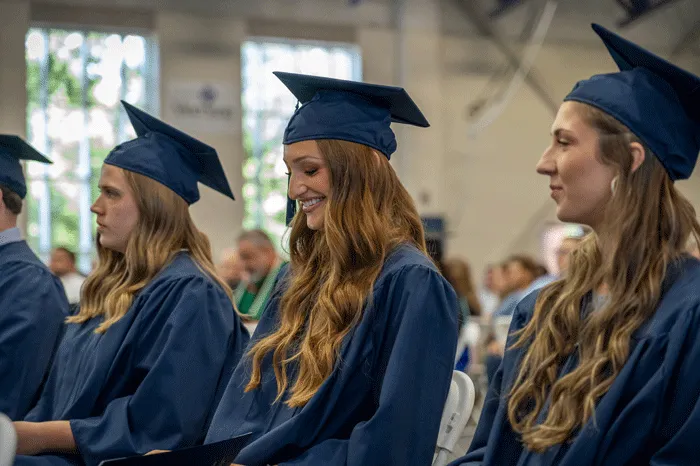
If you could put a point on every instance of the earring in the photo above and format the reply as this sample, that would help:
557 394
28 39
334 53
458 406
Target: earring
613 185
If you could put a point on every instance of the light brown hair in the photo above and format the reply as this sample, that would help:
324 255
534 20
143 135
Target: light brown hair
647 226
163 229
332 272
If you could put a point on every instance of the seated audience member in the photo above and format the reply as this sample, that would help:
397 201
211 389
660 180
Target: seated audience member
261 266
352 359
62 265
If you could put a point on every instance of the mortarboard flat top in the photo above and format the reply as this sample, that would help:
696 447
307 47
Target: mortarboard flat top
169 156
12 150
655 99
348 110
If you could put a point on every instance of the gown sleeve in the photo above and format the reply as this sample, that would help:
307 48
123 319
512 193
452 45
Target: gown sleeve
422 320
184 335
680 427
33 307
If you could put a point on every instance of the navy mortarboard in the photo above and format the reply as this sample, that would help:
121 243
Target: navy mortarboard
12 150
347 111
169 156
655 99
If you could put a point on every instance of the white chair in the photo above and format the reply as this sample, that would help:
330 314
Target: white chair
455 415
468 336
8 441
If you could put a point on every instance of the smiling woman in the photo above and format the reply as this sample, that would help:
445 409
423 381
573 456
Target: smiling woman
309 180
352 359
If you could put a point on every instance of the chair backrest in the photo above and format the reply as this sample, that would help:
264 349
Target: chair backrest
455 415
8 441
468 337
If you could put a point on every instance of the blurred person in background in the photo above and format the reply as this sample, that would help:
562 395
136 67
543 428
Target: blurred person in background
490 289
231 268
62 264
261 265
564 251
458 273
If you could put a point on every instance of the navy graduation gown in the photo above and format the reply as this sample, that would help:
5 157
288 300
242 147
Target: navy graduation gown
150 381
650 415
33 307
383 402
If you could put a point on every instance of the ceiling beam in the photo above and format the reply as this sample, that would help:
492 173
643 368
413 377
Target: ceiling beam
637 9
485 28
690 38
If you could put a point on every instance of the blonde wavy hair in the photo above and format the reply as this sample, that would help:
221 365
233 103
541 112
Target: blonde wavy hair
163 229
332 272
647 226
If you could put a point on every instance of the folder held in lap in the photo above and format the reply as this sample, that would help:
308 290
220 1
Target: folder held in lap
214 454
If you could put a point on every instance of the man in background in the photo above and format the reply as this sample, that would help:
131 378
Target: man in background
231 268
62 265
261 265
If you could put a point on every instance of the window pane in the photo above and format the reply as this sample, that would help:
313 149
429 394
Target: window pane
75 80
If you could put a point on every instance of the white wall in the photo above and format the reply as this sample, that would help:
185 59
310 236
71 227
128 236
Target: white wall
178 35
14 21
494 202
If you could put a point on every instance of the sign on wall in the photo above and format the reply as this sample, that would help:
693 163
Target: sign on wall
206 106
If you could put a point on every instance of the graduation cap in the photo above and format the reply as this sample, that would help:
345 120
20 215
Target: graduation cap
12 150
348 111
169 156
658 101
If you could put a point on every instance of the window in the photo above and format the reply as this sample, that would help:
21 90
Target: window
75 81
267 107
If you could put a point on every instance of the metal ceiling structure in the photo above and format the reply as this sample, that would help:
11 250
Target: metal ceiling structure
483 17
637 9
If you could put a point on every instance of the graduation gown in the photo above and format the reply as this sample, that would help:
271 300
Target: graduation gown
33 307
382 403
150 381
650 415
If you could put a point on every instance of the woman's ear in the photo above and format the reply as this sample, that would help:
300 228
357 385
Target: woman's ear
638 155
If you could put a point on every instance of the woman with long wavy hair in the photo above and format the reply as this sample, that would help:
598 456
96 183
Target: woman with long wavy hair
352 360
139 364
602 365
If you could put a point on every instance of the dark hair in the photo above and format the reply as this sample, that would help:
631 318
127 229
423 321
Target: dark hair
11 200
528 263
